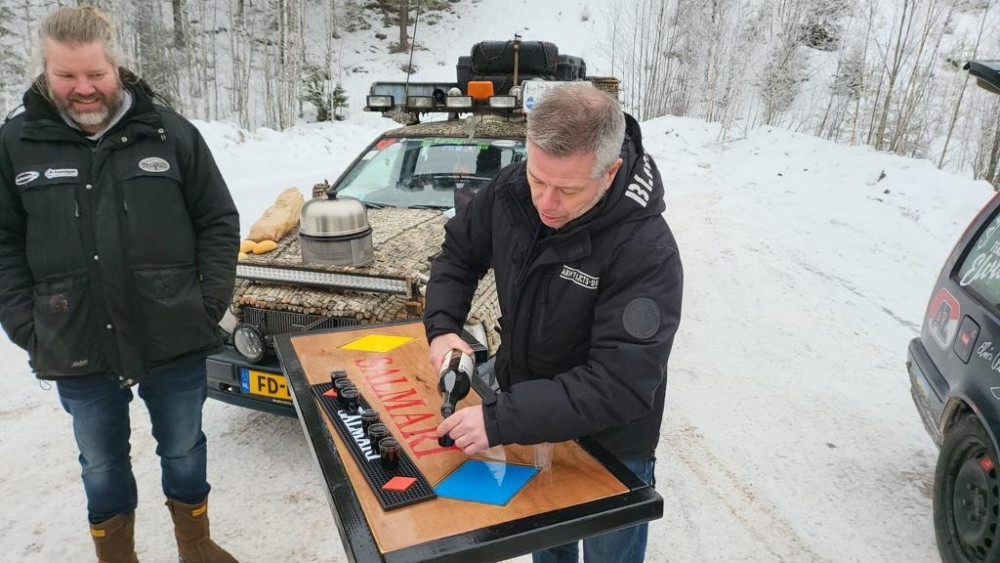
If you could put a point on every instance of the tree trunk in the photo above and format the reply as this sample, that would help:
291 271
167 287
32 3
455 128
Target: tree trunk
991 170
902 39
961 92
404 24
180 23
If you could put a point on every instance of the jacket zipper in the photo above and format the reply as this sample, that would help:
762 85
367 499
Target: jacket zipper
521 276
527 265
543 301
525 262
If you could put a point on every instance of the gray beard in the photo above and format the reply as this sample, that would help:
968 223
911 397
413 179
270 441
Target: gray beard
90 118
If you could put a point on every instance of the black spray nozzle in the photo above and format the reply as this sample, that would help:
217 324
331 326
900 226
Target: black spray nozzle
446 411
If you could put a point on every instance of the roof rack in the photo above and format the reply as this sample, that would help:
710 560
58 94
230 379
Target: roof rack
501 78
440 97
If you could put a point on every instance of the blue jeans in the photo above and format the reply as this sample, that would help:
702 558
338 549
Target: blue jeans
174 395
621 546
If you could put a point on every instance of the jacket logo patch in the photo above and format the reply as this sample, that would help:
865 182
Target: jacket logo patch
154 164
26 177
641 187
80 363
61 173
581 279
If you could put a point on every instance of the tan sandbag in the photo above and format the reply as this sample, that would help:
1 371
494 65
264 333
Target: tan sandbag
264 246
278 219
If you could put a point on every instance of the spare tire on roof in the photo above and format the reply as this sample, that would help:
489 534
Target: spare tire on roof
497 57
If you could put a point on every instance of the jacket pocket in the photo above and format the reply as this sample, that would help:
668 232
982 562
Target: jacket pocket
67 340
175 320
157 225
561 320
53 238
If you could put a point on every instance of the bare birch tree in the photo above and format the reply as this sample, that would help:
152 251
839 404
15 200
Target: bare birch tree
242 54
961 92
897 50
11 61
180 13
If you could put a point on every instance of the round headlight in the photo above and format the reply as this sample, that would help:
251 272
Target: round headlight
249 342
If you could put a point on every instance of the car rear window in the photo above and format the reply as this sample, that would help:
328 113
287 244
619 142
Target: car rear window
979 272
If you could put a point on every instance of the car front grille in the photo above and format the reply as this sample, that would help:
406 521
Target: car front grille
283 322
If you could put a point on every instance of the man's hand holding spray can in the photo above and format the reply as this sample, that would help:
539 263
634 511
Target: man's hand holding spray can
454 380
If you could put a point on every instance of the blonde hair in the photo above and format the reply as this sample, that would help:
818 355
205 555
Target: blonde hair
81 26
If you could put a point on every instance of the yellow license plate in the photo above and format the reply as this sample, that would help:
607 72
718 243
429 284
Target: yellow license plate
267 385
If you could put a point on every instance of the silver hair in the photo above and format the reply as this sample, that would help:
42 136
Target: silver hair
576 118
81 26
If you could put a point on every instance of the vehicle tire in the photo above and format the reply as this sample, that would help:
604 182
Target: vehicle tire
967 495
497 57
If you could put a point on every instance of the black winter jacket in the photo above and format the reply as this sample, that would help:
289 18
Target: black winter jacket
589 315
116 255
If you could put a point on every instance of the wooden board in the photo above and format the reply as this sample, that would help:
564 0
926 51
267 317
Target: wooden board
402 386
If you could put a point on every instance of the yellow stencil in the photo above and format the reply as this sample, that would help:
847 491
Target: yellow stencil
377 343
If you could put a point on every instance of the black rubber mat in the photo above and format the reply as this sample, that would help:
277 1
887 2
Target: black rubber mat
372 469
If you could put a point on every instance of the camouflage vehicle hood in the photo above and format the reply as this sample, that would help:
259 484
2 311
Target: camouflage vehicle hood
405 242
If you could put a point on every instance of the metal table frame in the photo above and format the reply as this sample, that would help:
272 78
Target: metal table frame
502 541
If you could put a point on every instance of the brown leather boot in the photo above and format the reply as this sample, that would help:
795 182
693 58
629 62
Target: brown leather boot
191 530
114 539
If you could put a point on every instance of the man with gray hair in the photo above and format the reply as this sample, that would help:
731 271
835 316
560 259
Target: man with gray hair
118 243
589 283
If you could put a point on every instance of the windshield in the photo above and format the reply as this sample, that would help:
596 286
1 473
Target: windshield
425 172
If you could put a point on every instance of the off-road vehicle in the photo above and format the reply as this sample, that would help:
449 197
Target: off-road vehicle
407 182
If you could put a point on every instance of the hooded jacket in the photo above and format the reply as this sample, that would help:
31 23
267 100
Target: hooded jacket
589 312
116 255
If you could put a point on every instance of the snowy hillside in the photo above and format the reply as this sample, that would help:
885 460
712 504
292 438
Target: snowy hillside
789 429
887 73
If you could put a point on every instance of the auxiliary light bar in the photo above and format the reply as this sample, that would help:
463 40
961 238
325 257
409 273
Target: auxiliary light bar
503 102
380 102
458 102
356 282
420 102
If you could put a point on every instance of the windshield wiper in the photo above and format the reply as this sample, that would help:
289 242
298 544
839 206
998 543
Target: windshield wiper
427 206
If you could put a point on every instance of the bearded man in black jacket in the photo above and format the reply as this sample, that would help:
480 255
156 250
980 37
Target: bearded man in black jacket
589 283
118 243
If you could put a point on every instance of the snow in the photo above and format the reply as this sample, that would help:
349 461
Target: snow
789 433
789 429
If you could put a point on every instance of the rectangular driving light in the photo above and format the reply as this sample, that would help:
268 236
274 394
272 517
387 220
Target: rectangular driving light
333 280
504 102
420 102
380 102
458 102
